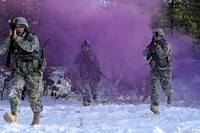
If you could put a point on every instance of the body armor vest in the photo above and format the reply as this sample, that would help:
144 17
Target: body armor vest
26 62
161 63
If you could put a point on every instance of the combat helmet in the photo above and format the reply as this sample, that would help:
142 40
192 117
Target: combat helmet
86 43
158 32
20 20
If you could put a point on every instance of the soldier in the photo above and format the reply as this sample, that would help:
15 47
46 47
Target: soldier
88 65
159 53
27 72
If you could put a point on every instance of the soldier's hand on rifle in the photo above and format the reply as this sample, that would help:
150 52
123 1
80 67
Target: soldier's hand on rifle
11 33
152 47
155 43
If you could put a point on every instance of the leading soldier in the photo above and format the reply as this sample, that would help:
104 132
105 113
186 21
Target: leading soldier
27 72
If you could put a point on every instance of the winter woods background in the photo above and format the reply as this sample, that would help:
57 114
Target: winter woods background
119 31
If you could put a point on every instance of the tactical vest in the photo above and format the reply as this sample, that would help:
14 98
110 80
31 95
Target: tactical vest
26 62
157 63
87 65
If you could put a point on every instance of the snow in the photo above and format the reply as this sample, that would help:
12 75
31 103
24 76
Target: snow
69 116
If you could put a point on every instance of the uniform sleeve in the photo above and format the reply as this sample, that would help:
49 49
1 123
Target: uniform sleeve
5 46
163 52
29 44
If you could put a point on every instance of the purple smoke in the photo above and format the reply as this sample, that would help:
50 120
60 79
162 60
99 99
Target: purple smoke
185 67
119 31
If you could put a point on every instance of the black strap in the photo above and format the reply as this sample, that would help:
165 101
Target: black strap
11 51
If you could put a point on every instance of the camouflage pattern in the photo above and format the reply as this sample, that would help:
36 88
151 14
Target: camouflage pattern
90 86
27 71
86 43
162 77
161 69
159 31
33 84
89 68
21 20
161 56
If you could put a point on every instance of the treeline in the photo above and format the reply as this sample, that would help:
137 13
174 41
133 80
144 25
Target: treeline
180 15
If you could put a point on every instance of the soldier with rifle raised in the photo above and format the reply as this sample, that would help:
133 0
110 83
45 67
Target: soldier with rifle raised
160 55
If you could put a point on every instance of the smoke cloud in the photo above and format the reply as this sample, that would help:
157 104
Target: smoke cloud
119 32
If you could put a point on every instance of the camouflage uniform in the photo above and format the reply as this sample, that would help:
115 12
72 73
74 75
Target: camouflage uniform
27 71
159 54
89 68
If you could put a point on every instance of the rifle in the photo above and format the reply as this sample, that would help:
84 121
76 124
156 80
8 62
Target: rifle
101 74
11 47
42 56
151 47
64 95
45 43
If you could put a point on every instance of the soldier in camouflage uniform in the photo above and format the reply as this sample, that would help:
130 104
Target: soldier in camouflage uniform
27 70
159 53
88 65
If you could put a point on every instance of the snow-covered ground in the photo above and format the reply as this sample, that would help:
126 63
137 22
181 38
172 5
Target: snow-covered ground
69 116
118 115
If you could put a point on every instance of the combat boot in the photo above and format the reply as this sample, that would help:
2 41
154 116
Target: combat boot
155 109
36 118
10 118
169 99
86 102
